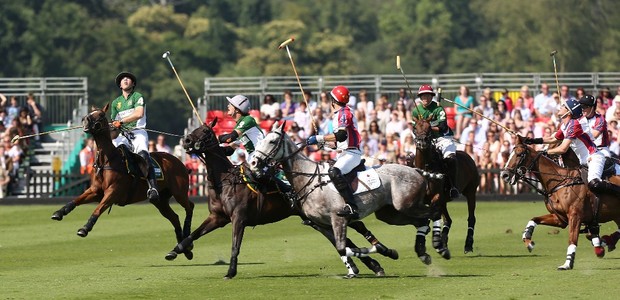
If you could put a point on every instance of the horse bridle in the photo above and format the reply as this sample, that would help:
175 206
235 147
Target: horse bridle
97 127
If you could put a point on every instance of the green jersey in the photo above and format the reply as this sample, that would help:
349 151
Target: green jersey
438 115
250 135
122 108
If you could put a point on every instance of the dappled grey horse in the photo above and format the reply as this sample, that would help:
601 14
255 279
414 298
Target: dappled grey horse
401 198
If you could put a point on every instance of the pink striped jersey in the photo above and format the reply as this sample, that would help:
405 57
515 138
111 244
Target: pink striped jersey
581 140
345 120
598 123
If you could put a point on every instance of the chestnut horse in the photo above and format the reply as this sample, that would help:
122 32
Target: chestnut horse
232 200
467 181
111 184
567 198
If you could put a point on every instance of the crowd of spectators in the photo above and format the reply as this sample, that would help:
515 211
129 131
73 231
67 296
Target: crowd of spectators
16 119
386 130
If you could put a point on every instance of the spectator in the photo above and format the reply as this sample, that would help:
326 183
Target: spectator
502 110
25 121
192 164
408 146
35 110
507 100
269 107
301 117
522 109
474 131
485 107
609 114
324 125
364 105
565 93
462 100
580 92
396 124
5 178
14 153
606 95
403 114
310 102
402 96
178 150
383 111
489 95
12 111
287 106
543 104
600 107
528 100
152 147
3 102
87 157
367 141
374 131
325 105
15 128
361 119
161 145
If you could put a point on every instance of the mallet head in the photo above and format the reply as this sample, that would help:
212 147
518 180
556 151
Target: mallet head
553 52
14 139
286 42
397 62
166 54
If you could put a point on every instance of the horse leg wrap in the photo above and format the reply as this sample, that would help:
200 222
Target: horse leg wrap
437 243
570 258
358 252
529 230
350 271
68 208
91 223
371 238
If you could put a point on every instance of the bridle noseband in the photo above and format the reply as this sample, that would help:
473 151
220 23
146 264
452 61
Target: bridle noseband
92 125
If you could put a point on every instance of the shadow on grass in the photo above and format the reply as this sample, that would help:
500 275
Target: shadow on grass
215 264
367 276
505 256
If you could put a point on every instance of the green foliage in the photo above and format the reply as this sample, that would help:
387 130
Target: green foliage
98 39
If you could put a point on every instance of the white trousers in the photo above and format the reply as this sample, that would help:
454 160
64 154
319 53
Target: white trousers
347 160
446 146
140 141
596 162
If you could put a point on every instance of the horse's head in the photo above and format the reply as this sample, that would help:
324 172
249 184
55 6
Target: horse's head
96 121
270 151
519 162
201 139
422 133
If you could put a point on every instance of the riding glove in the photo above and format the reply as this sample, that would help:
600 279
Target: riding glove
117 124
315 139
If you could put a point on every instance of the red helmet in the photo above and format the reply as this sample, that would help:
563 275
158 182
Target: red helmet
426 89
340 94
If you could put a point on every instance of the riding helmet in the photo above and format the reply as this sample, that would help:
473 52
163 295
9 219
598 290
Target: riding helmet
426 89
340 94
588 100
240 102
124 74
574 107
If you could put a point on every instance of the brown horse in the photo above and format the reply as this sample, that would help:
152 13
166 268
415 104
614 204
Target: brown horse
467 182
567 198
232 200
111 183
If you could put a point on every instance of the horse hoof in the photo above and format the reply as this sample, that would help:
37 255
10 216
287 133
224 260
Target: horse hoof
564 268
189 255
608 240
445 253
530 246
393 254
171 256
82 232
57 216
380 273
426 259
599 251
349 276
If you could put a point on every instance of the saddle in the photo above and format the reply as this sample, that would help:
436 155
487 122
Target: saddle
136 166
609 169
257 185
351 177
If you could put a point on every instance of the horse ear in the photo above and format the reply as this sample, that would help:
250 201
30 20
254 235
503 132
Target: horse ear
106 107
213 122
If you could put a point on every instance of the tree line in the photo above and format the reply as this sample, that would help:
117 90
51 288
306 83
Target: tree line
98 39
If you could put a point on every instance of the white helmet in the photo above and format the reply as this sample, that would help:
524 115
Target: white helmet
242 103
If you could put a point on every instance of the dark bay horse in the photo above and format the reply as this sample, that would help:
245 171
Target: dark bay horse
467 182
399 199
231 200
567 198
110 183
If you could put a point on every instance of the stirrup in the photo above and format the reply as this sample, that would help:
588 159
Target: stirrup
152 194
292 198
348 211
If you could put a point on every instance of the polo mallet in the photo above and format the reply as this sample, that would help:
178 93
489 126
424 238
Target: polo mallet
166 55
479 114
408 86
17 137
303 95
555 70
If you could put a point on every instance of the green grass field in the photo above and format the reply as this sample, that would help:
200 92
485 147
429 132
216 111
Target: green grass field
123 258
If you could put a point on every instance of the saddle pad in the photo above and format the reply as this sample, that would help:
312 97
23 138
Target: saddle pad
132 163
366 181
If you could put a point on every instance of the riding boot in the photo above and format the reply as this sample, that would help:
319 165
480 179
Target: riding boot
452 171
287 191
599 186
152 195
341 184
